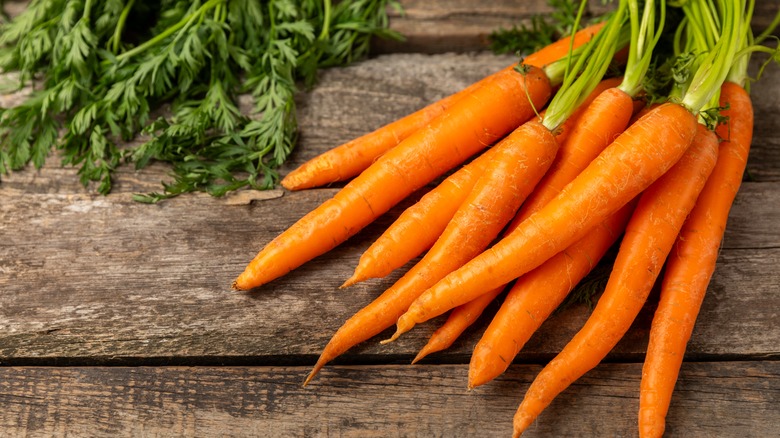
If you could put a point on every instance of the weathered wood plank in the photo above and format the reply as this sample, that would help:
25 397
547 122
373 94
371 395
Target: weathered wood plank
91 278
727 399
440 26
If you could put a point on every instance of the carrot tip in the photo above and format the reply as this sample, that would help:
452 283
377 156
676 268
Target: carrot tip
424 352
521 423
311 375
351 280
392 338
288 183
234 285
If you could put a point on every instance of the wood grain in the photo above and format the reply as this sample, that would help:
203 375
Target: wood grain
725 399
92 279
441 26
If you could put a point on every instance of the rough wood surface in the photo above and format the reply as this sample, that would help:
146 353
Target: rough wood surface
91 280
105 278
440 26
728 399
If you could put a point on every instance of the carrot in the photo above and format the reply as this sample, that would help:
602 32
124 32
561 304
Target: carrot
692 263
479 119
426 220
348 160
522 159
459 320
429 216
649 236
606 118
578 148
611 112
639 156
536 295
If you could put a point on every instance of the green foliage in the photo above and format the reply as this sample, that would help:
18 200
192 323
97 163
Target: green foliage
100 81
542 31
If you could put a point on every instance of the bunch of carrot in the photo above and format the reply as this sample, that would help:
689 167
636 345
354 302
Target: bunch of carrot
563 186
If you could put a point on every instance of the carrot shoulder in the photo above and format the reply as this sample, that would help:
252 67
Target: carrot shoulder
487 114
649 236
349 159
523 158
692 263
644 152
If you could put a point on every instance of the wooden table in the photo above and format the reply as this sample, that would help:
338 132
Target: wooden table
117 317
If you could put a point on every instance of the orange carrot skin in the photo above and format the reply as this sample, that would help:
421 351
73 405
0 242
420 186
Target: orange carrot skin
601 122
639 156
649 237
536 295
348 160
426 219
479 119
459 320
524 157
429 216
692 263
570 133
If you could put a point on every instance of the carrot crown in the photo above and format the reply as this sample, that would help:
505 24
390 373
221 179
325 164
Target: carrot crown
738 73
717 63
586 73
644 36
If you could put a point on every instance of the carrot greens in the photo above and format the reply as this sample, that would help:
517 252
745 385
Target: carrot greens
103 82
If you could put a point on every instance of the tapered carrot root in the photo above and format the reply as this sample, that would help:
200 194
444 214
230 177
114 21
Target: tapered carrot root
536 295
692 263
487 114
650 235
348 160
459 320
523 158
429 216
644 152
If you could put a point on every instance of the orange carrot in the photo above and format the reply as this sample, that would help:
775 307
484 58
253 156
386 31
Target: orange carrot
348 160
639 156
459 320
692 263
429 216
603 120
650 235
477 120
426 220
522 159
606 107
536 295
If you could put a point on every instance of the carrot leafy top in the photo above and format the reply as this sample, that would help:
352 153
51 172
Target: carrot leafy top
582 76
